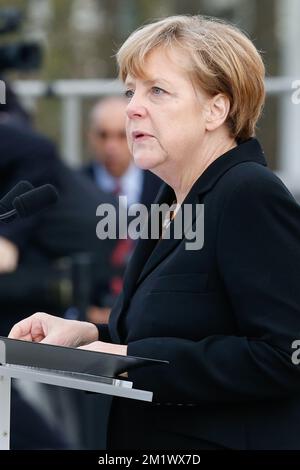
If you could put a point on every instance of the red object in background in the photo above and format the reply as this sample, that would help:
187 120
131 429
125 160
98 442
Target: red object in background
119 259
121 253
116 285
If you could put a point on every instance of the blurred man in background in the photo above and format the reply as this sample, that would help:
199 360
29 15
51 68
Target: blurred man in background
33 249
113 171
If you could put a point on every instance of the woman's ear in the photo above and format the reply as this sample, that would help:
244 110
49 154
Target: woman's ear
218 109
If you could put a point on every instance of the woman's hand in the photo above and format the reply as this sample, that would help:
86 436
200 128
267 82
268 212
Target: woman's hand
98 314
110 348
44 328
9 256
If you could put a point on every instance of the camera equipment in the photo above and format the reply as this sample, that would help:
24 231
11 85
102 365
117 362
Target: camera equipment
17 55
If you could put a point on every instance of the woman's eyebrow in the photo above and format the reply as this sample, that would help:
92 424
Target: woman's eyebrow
155 80
148 82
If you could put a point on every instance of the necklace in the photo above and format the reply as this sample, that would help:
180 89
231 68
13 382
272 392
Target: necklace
170 215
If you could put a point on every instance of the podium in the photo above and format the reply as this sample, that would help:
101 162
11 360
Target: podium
37 362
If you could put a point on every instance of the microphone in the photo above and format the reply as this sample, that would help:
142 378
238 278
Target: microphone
20 188
35 200
6 203
31 202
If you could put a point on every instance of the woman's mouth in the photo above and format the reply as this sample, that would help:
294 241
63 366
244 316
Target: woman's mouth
138 136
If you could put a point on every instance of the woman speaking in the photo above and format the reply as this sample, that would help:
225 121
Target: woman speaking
224 315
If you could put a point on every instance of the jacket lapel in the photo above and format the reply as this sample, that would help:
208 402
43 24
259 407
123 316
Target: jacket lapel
168 243
145 247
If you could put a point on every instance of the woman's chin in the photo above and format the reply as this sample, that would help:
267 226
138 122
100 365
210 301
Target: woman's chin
146 162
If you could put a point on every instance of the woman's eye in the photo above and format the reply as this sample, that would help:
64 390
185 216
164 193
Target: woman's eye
129 93
157 91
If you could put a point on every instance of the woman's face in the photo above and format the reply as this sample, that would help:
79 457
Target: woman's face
165 122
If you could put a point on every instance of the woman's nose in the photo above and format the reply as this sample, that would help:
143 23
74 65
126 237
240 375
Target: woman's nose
136 108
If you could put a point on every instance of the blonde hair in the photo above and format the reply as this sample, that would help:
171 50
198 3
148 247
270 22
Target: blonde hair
221 60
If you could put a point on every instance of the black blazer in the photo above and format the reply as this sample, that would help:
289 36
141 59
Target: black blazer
225 317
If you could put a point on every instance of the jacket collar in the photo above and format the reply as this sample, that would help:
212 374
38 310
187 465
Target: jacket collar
248 151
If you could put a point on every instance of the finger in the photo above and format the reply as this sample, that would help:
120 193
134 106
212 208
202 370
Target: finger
4 262
7 265
49 339
97 346
55 339
91 346
22 330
